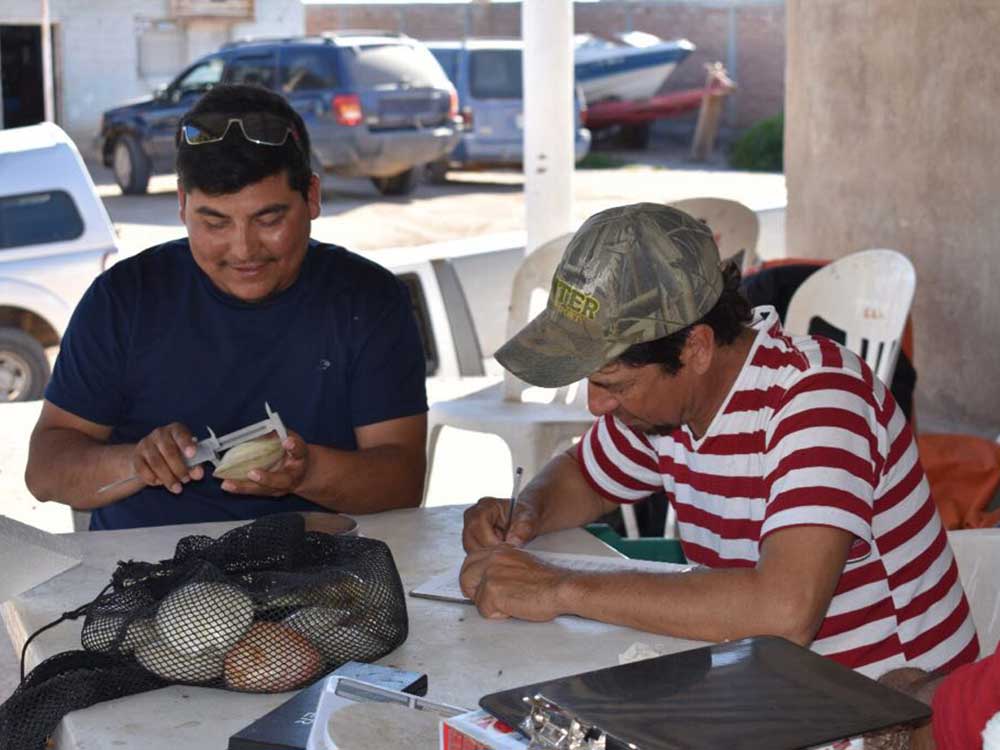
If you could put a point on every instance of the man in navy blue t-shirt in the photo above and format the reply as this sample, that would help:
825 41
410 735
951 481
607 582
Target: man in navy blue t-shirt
201 332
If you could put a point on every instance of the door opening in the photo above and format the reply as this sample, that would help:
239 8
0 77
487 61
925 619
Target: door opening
21 75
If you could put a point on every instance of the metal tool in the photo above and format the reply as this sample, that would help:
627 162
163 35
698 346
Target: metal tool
212 447
551 727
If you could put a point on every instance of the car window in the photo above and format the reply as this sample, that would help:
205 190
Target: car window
448 59
307 70
200 78
495 74
255 70
386 64
37 218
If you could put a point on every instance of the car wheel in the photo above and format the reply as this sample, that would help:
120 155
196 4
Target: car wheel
400 184
636 136
130 166
24 368
436 171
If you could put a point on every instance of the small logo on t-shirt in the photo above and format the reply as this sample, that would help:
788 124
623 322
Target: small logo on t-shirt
324 364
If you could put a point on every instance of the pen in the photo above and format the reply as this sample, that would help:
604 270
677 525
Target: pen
515 491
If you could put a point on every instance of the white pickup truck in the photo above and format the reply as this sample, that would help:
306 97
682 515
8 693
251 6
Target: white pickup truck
55 237
460 291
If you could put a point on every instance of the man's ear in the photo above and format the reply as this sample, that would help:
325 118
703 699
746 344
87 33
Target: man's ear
699 349
315 196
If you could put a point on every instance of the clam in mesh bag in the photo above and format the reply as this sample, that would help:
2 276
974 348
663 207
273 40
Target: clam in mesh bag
268 607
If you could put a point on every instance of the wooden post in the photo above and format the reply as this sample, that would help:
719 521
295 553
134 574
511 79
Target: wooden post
717 87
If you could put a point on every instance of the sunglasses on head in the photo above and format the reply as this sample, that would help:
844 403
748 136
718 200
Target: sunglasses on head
262 128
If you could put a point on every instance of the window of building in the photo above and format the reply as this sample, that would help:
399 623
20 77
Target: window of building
162 47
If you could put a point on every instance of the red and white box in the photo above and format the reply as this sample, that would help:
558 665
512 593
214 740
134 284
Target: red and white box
478 730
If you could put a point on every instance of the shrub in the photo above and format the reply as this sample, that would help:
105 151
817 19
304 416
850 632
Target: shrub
761 148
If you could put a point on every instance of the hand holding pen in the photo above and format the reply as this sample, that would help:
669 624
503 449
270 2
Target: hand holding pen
515 491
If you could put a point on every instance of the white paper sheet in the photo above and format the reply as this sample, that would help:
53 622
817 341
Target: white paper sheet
30 556
445 586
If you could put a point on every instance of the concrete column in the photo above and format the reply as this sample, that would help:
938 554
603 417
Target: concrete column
48 87
890 141
547 29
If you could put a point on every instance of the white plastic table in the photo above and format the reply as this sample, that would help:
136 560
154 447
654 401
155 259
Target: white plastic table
463 655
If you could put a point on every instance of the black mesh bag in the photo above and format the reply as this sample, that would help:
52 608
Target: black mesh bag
268 607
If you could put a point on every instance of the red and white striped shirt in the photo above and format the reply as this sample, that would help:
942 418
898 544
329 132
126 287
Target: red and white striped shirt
808 436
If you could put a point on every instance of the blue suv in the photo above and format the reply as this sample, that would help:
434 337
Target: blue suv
487 74
376 106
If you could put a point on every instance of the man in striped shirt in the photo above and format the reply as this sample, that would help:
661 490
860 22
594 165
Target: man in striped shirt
793 473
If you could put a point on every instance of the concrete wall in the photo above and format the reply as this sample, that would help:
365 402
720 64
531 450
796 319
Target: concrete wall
891 141
97 64
747 35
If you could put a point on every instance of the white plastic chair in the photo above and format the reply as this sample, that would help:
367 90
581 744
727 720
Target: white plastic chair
534 422
867 295
734 226
977 554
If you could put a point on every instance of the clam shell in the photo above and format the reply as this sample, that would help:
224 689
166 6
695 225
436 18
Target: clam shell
171 665
204 616
320 625
261 453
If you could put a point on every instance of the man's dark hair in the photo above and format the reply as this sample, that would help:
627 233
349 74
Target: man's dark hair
726 319
234 162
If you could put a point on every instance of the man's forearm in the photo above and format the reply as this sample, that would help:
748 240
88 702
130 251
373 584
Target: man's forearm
562 497
69 467
369 480
787 593
710 605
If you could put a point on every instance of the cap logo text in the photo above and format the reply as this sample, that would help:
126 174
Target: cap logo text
572 303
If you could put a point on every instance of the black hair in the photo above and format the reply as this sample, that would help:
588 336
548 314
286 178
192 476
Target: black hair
727 318
234 162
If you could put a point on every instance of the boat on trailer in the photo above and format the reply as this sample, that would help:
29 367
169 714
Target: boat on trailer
628 66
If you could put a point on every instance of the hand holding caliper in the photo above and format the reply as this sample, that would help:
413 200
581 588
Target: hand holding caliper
213 448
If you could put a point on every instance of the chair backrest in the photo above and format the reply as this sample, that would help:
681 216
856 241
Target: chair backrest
977 554
734 225
529 294
867 295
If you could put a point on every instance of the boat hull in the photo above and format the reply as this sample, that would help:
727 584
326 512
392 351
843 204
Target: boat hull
631 84
627 72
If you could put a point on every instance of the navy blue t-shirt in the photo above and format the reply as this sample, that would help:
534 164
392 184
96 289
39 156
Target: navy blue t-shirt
154 341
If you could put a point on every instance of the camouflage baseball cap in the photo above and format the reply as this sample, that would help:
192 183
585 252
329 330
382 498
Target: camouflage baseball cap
630 274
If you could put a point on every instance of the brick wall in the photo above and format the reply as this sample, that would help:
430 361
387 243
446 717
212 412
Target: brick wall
747 35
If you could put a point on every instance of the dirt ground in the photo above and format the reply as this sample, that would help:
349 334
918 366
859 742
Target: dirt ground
470 203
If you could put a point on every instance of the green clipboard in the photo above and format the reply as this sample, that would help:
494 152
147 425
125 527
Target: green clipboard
761 693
